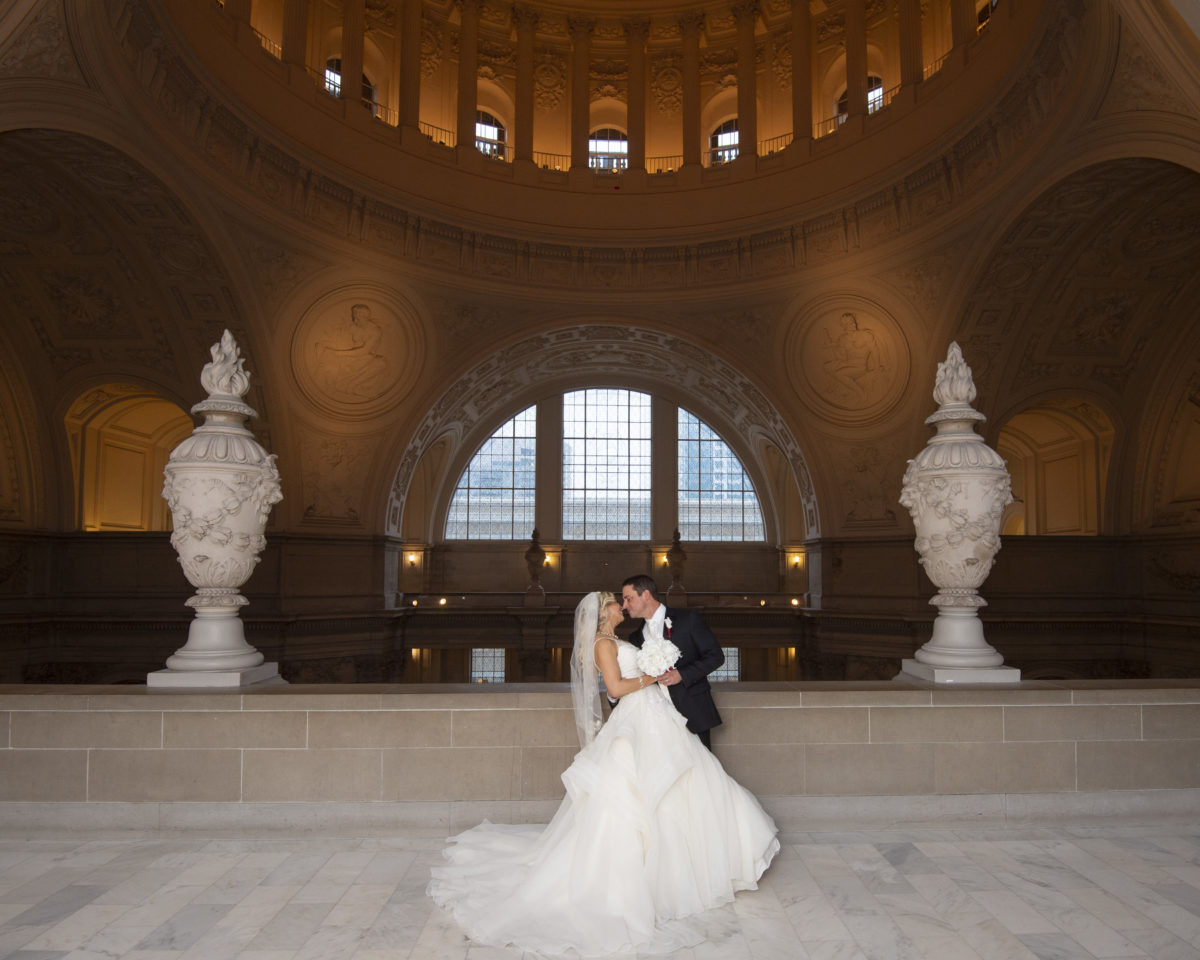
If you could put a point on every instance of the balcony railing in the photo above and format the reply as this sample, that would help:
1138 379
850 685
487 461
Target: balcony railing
936 65
389 115
552 161
269 45
823 128
496 149
438 134
774 144
668 164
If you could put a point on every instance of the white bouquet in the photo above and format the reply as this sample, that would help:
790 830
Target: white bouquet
657 656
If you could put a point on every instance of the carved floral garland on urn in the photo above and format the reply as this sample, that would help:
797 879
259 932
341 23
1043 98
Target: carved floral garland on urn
956 490
220 485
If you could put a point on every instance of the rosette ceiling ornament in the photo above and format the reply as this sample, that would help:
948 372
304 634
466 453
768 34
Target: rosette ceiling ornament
220 485
956 490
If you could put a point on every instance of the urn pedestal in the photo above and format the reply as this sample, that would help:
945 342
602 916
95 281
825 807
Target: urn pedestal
956 490
220 485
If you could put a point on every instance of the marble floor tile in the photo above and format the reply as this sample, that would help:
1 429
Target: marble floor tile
1068 892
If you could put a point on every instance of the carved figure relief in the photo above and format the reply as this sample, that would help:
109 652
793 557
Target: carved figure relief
869 481
333 472
849 364
356 355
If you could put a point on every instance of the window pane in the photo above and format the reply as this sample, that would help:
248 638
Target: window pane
716 498
487 665
731 669
494 499
606 465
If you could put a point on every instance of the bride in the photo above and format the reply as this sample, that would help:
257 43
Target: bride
652 829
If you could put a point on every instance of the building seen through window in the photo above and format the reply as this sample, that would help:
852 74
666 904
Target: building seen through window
605 491
874 98
606 465
495 495
333 81
716 498
723 143
608 149
490 135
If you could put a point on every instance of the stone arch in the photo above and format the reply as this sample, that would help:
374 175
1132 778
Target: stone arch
585 355
119 437
1081 299
1058 456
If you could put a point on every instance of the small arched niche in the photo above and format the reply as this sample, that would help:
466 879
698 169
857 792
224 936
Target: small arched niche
1058 457
120 437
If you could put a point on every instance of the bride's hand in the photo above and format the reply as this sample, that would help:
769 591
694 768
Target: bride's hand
670 678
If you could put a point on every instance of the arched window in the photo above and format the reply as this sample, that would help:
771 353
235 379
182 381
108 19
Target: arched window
494 499
603 487
716 498
608 149
333 82
490 135
606 465
723 143
874 97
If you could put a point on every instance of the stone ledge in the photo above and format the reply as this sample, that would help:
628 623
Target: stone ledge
437 819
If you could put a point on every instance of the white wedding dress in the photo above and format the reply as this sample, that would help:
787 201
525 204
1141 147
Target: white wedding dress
652 830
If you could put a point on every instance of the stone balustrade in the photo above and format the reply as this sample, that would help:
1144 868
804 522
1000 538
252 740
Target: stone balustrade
368 759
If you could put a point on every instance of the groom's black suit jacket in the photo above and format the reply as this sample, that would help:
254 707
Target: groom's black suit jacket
699 655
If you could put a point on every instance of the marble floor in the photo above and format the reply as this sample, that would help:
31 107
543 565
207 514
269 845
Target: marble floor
1067 892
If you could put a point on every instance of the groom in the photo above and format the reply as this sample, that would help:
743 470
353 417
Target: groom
699 652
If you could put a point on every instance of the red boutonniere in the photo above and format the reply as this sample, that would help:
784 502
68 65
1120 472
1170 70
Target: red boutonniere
667 624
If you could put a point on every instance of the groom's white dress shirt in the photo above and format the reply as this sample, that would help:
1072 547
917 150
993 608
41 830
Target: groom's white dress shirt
654 625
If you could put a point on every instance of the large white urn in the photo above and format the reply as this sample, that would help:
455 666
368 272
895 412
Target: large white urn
220 485
956 490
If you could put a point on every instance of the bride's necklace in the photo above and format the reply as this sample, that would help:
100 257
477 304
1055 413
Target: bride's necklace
609 636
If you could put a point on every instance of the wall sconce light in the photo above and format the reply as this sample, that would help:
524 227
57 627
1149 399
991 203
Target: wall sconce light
762 603
664 560
414 603
416 653
442 602
795 602
412 559
546 562
796 560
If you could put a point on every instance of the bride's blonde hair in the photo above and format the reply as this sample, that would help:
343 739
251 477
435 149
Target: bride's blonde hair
605 599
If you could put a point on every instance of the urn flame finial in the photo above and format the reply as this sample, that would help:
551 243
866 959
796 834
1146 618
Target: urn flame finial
954 383
224 375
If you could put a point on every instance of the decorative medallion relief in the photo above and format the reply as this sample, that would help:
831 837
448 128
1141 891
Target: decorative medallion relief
666 86
549 81
848 360
432 38
356 353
